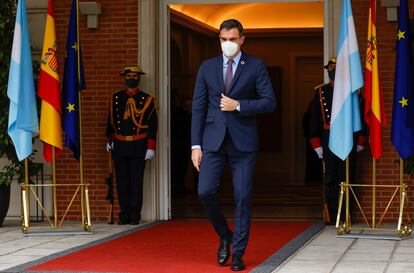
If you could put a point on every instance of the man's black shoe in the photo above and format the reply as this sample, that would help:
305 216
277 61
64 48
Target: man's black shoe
237 263
223 253
123 222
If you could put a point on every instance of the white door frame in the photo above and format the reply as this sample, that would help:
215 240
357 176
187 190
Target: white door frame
153 51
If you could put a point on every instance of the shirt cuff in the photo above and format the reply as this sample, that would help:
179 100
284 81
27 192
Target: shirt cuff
196 147
315 142
238 106
151 143
361 140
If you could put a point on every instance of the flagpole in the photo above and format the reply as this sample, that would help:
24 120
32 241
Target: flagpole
374 182
26 179
54 186
25 197
374 69
402 194
401 176
80 117
347 193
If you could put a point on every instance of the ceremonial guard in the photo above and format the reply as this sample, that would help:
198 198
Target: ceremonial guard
334 167
131 135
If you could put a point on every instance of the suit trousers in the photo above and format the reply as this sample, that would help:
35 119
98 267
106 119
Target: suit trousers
129 180
242 166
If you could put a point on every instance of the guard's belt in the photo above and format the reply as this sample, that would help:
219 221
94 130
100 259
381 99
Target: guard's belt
130 138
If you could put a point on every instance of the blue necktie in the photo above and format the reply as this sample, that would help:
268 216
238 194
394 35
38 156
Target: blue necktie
229 75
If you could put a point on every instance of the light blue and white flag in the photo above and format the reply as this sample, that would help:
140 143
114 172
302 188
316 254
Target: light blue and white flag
345 113
21 92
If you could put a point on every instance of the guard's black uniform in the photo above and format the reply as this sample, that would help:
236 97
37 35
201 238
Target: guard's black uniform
320 117
132 126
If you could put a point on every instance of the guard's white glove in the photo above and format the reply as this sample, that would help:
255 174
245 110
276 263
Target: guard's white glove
319 152
109 146
149 154
359 148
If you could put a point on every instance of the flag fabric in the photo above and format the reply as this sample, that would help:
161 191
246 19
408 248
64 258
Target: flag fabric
49 91
345 113
21 91
374 102
73 82
402 129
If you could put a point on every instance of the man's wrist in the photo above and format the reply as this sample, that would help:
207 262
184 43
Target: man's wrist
196 147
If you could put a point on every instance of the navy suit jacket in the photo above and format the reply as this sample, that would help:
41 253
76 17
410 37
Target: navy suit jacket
251 86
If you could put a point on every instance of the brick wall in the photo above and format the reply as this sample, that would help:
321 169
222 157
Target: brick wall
387 166
115 43
105 51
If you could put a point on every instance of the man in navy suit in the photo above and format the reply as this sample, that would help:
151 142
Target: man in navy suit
230 90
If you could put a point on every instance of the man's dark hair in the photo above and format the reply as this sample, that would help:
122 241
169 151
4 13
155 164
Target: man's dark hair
232 23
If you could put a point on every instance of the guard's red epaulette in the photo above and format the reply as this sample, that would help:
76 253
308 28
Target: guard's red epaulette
117 91
319 86
140 91
152 97
146 94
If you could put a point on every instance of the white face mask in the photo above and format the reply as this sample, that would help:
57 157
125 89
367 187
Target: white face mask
229 48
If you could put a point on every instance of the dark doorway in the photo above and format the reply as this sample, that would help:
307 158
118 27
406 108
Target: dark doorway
294 60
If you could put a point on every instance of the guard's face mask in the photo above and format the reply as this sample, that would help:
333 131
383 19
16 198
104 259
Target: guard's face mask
132 83
331 74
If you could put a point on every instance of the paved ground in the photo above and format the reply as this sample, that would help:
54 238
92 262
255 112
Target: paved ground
17 249
324 253
327 253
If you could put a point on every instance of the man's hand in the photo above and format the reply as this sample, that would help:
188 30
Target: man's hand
149 154
109 146
196 155
319 152
227 104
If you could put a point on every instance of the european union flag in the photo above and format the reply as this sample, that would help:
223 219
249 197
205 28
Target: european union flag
73 82
402 130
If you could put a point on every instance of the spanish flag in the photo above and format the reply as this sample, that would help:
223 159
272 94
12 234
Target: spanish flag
48 91
374 103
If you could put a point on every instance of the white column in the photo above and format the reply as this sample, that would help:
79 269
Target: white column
156 180
332 14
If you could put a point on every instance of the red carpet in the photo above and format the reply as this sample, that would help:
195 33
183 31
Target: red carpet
174 246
